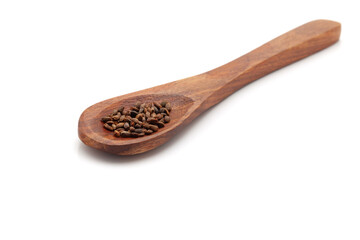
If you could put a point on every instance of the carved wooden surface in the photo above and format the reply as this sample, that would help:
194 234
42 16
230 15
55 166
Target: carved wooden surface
192 96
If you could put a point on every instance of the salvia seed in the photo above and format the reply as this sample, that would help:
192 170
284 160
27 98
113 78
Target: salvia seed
125 134
105 119
139 120
168 106
108 127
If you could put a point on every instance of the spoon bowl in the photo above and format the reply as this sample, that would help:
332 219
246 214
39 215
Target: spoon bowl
191 96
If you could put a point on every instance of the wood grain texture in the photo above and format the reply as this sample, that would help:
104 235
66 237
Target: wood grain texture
192 96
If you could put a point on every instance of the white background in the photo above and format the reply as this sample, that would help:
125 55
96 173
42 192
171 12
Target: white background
288 167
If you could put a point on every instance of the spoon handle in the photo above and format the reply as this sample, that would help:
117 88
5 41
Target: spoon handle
213 86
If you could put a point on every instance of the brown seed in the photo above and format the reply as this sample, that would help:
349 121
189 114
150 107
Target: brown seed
148 132
154 128
134 135
137 125
141 134
119 125
116 117
139 130
135 120
162 120
160 124
152 120
113 126
141 110
122 118
168 107
134 109
147 114
126 126
127 119
146 125
137 104
153 114
157 105
125 134
116 133
105 119
120 129
108 127
139 117
115 112
133 114
158 116
166 119
156 109
163 103
132 129
121 109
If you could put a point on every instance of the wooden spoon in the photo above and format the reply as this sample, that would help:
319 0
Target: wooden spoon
191 96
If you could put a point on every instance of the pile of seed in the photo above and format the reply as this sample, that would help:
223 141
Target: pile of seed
140 120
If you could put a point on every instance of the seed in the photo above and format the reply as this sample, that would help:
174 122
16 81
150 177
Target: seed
116 133
160 124
137 125
148 132
137 104
165 111
166 119
163 103
139 117
158 116
141 134
120 125
116 117
120 129
132 129
134 135
115 112
135 120
152 120
105 119
139 130
154 128
122 118
108 127
156 109
157 105
133 114
126 126
127 119
168 107
147 114
125 134
113 126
